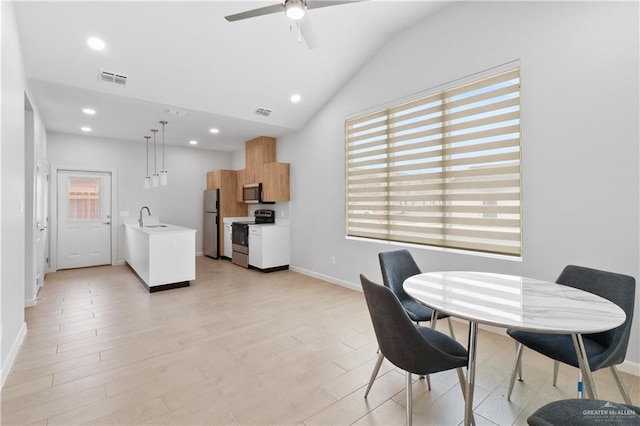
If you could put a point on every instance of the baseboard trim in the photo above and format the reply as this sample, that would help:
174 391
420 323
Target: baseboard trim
341 283
160 287
630 367
13 352
29 303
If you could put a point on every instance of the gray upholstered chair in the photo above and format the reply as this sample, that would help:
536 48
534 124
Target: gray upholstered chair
606 349
397 266
413 348
585 412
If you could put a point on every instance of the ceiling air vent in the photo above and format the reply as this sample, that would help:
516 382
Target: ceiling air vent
263 111
112 77
173 111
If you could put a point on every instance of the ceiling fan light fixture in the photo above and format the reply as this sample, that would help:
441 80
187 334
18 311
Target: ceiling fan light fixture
295 9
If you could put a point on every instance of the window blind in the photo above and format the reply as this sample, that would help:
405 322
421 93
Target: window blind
441 170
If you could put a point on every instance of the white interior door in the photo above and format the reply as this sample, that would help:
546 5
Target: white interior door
42 222
84 219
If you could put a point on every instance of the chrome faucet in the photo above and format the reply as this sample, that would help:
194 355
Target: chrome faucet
140 219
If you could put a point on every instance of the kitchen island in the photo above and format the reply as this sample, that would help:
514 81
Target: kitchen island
162 256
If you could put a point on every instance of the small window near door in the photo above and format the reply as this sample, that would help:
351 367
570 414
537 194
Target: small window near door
84 199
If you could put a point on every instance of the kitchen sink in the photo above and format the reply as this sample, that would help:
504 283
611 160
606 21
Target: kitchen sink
155 226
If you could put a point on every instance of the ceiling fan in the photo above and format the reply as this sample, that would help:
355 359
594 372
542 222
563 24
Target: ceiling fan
296 10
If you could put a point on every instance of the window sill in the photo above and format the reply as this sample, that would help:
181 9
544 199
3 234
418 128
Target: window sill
440 249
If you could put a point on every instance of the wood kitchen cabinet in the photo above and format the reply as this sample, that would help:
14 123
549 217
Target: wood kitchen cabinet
275 181
228 204
240 181
258 152
261 167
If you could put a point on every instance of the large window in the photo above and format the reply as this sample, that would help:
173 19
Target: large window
440 170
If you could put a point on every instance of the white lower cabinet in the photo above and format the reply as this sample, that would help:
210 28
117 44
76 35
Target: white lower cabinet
269 246
255 246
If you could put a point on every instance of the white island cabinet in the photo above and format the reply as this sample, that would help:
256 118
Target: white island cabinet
163 256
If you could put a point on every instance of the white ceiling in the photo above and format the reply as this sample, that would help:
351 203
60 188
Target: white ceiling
186 56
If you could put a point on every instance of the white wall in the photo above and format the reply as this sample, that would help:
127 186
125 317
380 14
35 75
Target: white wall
12 222
580 109
178 203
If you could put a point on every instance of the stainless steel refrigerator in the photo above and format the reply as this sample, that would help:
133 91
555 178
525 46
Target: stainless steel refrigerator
210 243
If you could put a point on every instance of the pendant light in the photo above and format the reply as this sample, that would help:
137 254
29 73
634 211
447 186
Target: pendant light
163 172
155 179
147 178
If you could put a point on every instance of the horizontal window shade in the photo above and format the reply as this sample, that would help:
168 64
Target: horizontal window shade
441 170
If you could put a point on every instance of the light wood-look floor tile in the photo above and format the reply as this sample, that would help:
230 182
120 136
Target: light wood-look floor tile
243 347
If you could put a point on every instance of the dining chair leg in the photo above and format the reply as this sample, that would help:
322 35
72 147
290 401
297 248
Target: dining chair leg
517 366
374 373
434 318
422 376
462 380
583 362
409 400
451 328
621 386
556 366
520 368
463 384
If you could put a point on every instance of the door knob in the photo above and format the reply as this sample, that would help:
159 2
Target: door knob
107 223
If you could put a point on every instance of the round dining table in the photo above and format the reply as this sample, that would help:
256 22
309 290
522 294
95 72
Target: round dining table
510 301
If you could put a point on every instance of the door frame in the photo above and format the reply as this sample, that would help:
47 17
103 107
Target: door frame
53 248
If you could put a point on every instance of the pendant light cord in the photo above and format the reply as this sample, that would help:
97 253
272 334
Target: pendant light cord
163 123
147 138
155 158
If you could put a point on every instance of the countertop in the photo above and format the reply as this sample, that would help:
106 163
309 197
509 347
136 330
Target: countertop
164 229
150 226
229 220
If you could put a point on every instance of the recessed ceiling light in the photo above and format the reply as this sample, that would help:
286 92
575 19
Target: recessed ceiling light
214 130
85 129
193 142
295 98
95 43
89 111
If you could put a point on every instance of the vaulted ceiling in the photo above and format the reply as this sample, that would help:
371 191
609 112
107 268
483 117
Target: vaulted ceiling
184 57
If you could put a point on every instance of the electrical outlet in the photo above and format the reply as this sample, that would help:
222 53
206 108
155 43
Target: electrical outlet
333 260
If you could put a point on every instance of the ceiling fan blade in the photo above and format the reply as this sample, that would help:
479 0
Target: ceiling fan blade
315 4
267 10
308 33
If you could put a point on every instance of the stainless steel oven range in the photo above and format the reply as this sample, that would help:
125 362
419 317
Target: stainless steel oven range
240 236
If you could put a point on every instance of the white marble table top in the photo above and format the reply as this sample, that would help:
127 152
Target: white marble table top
515 302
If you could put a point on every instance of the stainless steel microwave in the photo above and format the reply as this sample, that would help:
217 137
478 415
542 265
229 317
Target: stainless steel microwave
252 193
